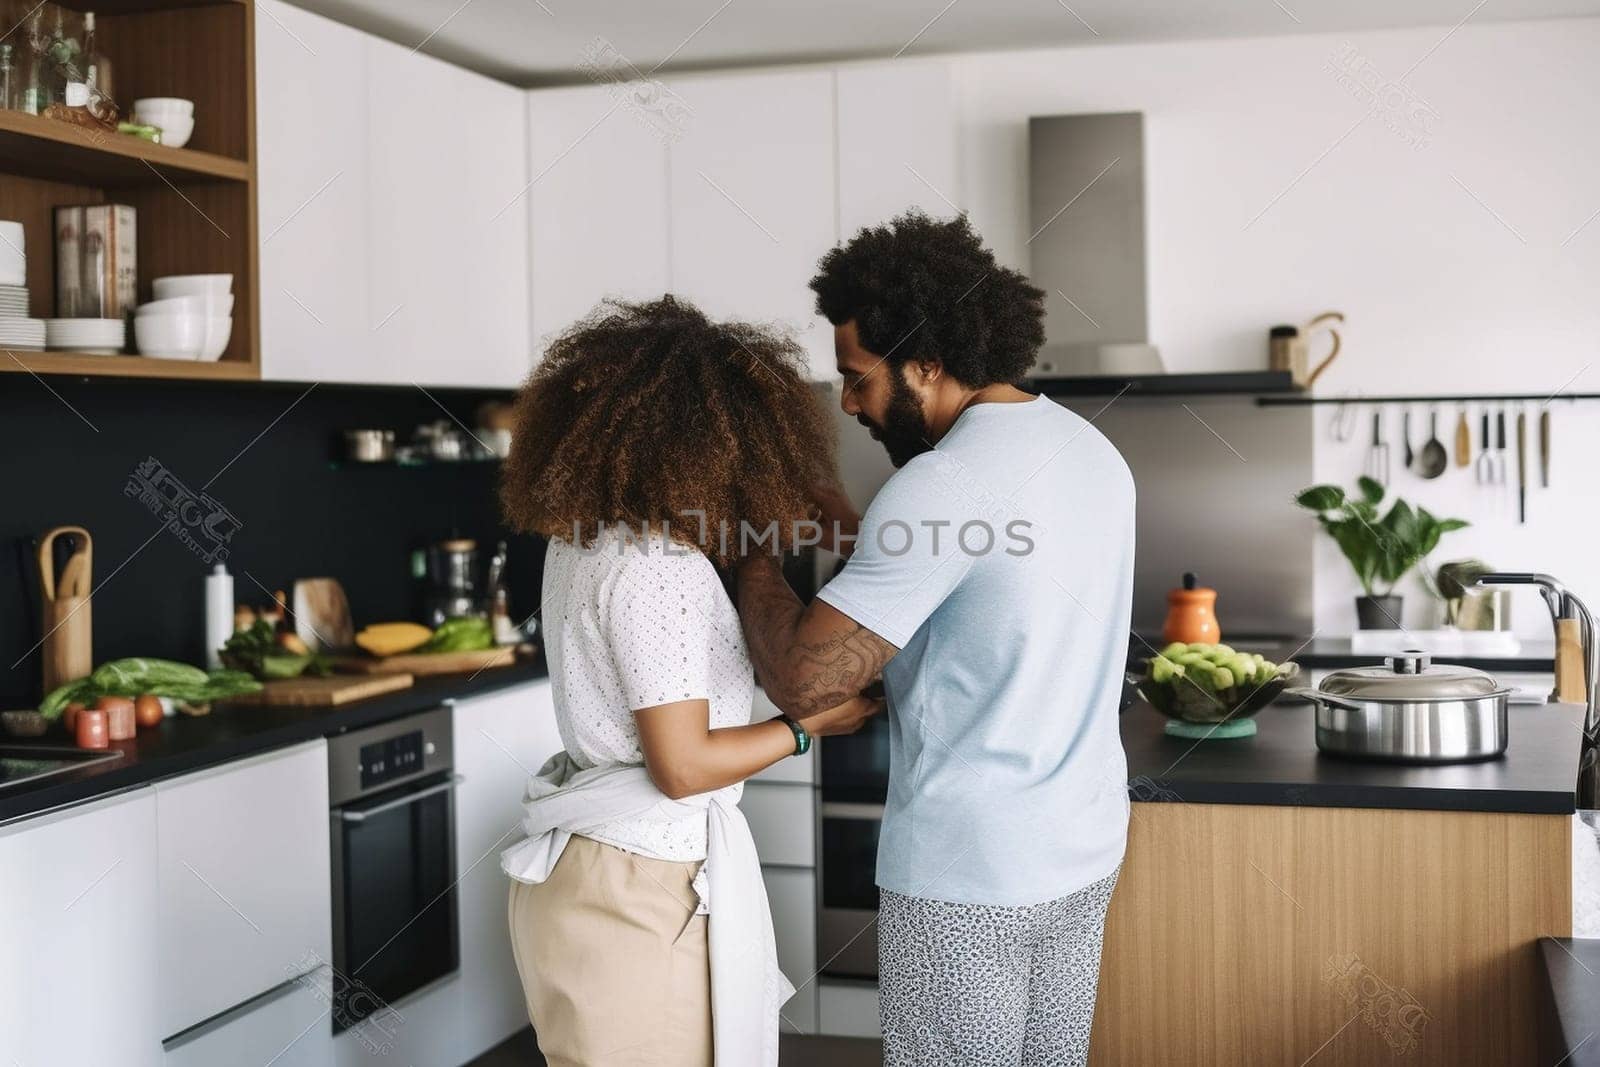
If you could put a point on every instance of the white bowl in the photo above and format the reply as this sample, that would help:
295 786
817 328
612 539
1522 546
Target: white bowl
205 306
170 336
217 333
192 285
175 129
159 104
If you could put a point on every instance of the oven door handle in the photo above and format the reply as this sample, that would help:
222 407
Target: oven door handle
400 802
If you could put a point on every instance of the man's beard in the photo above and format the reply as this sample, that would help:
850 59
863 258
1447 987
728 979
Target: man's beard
904 433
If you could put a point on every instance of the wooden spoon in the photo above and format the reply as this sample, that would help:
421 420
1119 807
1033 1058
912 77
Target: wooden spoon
1463 441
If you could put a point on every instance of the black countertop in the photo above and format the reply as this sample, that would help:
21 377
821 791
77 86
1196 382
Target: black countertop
182 744
1571 967
1282 765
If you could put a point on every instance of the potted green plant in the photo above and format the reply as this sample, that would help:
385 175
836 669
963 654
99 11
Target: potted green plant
1381 550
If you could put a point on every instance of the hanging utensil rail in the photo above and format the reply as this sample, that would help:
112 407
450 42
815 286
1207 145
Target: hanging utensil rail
1425 398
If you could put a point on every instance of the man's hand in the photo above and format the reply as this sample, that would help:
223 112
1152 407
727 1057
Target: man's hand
840 522
844 718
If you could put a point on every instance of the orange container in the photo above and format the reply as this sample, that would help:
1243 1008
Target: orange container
1191 615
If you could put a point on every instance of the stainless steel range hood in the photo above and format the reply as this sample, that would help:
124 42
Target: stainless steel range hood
1087 244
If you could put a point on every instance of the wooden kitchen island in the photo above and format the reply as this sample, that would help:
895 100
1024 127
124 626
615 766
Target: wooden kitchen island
1281 907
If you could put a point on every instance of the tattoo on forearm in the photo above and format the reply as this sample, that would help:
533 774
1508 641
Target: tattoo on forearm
810 676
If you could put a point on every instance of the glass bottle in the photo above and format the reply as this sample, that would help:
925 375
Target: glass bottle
97 74
66 53
34 75
7 75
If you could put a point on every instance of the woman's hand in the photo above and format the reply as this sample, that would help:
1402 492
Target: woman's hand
844 718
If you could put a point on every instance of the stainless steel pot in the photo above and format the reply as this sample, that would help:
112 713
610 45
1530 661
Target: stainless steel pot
1410 711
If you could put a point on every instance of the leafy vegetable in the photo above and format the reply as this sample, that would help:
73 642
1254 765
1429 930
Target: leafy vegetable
466 634
1380 550
160 677
257 650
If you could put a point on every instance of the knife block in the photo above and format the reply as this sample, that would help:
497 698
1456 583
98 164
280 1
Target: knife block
68 647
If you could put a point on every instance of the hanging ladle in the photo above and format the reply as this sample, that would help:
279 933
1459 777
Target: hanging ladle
1433 459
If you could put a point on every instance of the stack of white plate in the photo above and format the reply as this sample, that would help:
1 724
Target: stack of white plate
97 337
16 329
13 301
190 318
23 335
13 260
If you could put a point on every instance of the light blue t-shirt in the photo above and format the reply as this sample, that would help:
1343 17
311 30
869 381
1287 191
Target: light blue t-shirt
1001 565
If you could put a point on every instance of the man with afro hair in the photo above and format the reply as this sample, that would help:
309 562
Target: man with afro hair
990 588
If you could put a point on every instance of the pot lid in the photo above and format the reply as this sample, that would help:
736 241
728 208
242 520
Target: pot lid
1411 675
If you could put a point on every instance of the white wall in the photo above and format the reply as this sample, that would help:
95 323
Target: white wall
1439 294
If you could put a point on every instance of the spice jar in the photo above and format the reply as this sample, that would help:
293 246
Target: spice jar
92 729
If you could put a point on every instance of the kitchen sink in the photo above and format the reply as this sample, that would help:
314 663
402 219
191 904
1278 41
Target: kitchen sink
28 763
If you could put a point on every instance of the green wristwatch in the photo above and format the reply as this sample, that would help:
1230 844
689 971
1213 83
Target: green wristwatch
802 740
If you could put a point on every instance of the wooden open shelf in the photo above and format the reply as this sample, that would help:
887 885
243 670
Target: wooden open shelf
126 7
196 205
71 363
36 147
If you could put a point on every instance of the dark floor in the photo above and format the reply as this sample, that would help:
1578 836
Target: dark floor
520 1050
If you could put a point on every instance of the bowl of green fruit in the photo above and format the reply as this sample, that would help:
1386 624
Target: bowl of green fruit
1210 691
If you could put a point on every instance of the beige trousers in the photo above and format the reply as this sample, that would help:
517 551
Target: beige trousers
613 960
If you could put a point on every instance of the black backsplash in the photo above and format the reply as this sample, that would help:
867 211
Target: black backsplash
261 451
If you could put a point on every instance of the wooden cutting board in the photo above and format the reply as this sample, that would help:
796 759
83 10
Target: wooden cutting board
420 663
324 692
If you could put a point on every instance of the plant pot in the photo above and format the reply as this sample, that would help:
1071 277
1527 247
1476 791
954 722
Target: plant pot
1378 612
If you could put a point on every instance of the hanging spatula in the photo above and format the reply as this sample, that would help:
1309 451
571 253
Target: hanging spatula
1463 440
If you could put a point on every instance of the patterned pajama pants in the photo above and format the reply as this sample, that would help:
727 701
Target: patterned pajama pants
975 985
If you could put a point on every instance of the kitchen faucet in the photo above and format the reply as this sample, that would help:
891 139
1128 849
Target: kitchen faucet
1564 605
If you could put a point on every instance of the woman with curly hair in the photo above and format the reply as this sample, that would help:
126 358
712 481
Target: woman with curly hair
647 443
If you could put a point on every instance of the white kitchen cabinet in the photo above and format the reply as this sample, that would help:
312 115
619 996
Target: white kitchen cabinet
792 896
897 142
494 348
244 875
782 820
393 217
752 199
288 1027
500 739
417 216
311 153
597 205
77 925
447 252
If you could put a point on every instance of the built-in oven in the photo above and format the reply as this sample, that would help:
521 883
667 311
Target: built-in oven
391 788
847 896
853 779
